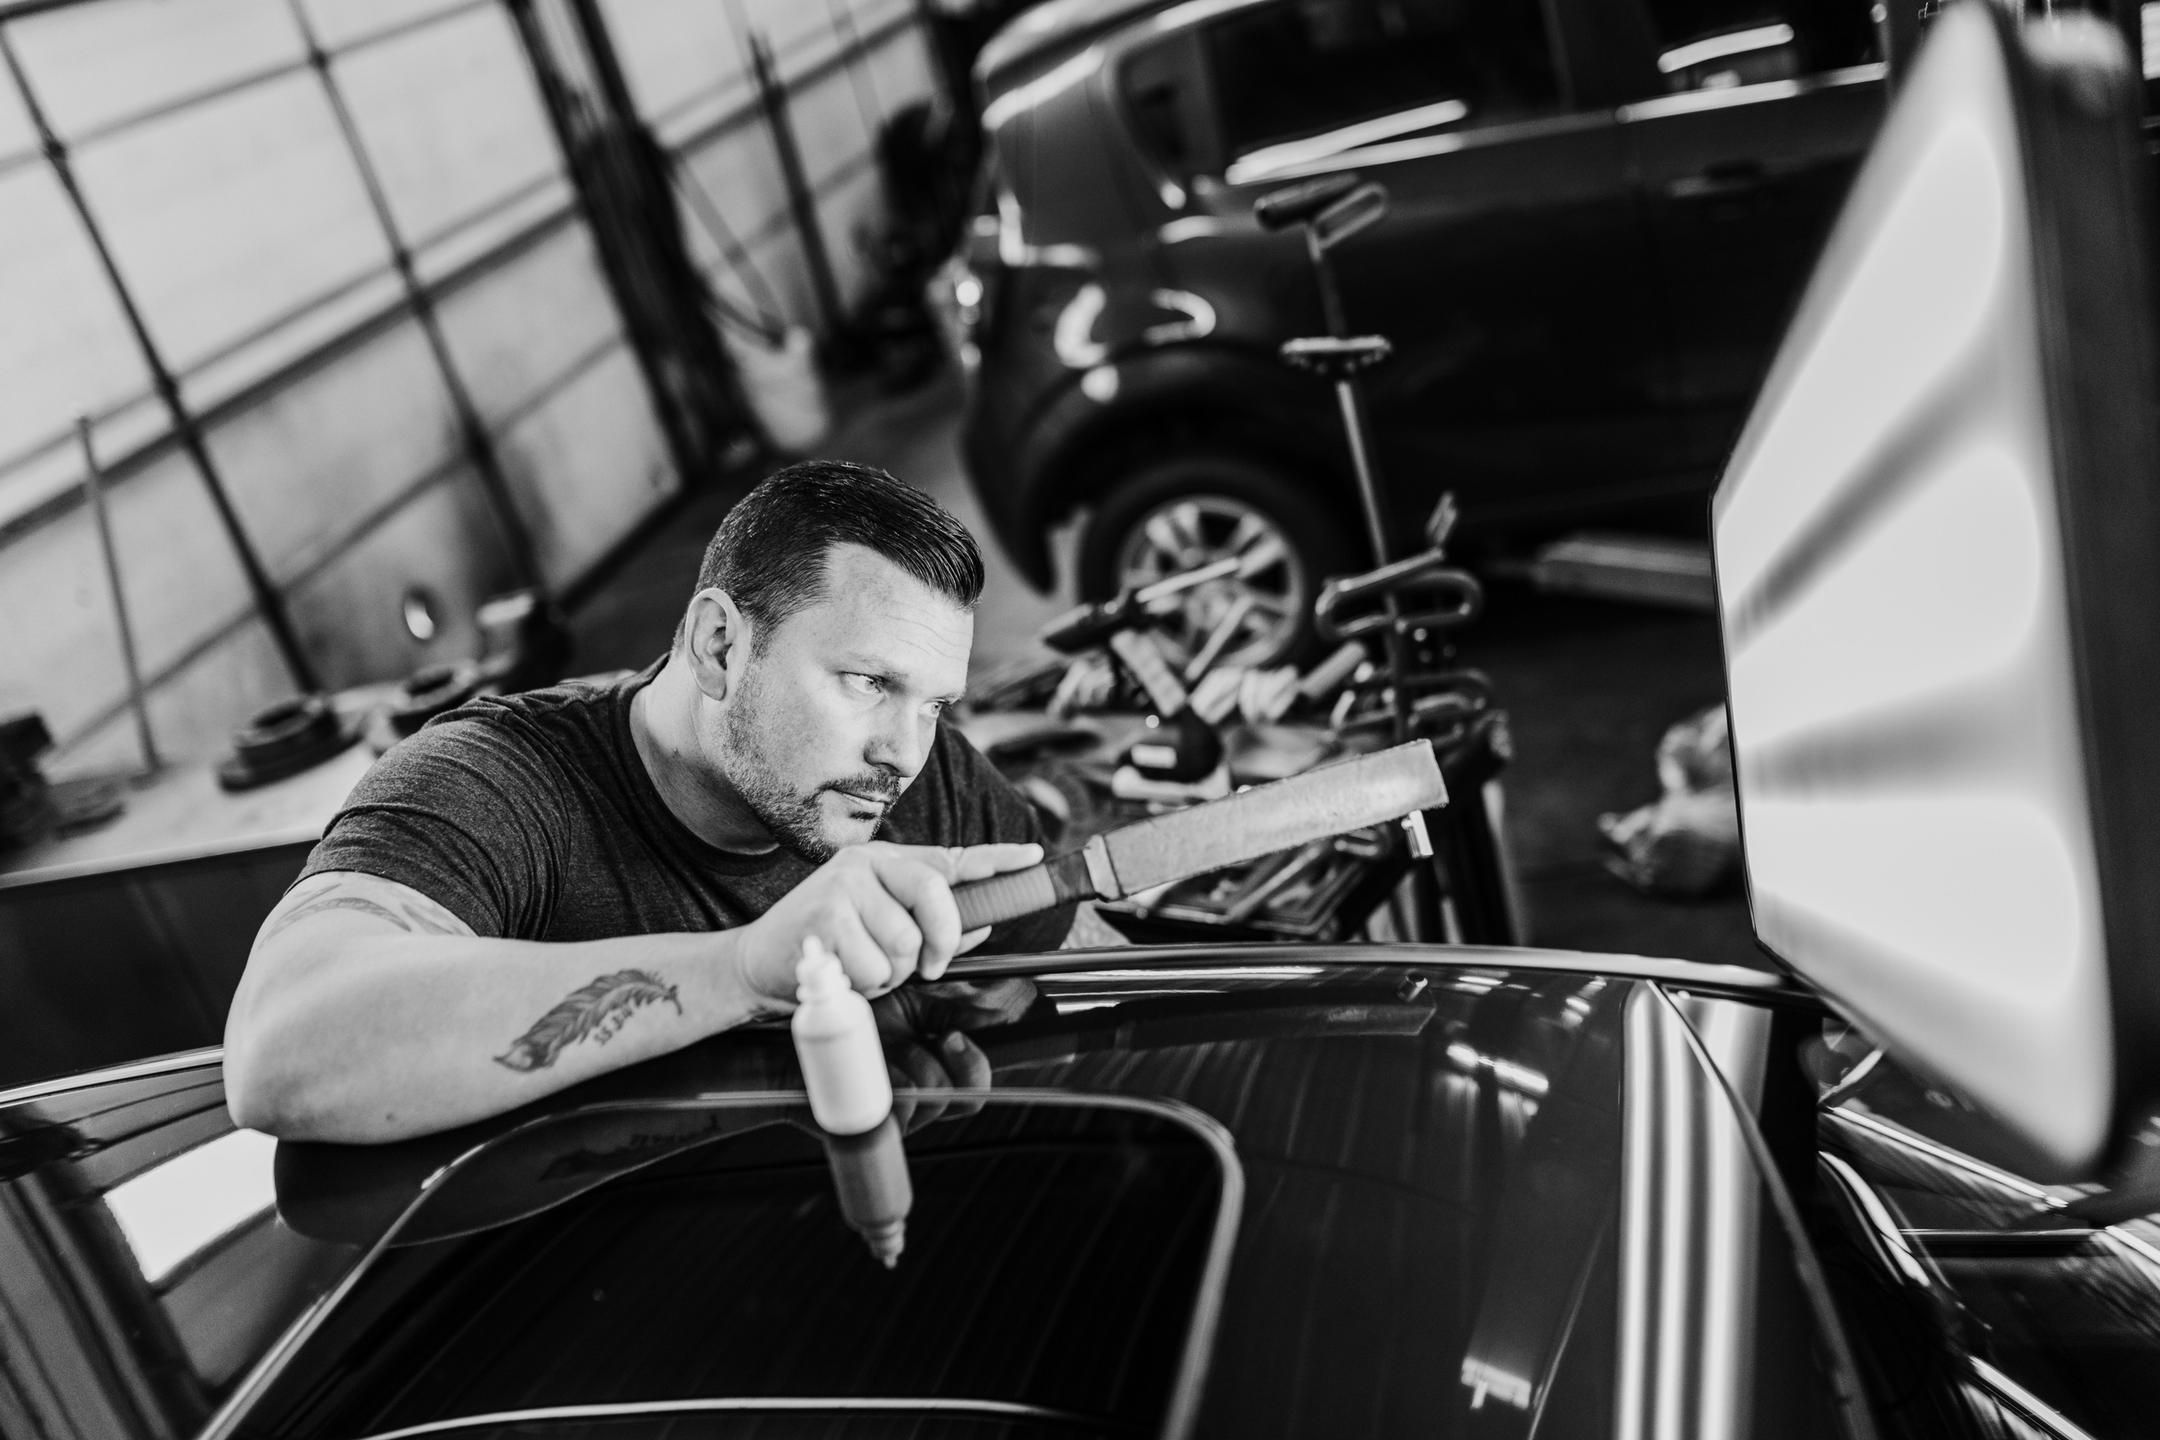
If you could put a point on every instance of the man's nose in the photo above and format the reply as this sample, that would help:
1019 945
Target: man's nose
902 744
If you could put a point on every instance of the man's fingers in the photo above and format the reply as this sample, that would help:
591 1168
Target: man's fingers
865 962
978 1004
975 862
920 1072
908 910
966 1067
969 1069
892 927
913 877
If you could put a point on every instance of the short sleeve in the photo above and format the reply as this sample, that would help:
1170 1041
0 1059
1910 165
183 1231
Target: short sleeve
461 812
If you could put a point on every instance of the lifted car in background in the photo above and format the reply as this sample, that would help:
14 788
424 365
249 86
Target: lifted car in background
1602 212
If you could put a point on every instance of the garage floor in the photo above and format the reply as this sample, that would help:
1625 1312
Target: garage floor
1590 686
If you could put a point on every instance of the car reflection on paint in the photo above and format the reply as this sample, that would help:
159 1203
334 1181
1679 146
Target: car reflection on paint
1250 1192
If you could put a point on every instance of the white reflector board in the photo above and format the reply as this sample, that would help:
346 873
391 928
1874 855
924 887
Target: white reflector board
1935 549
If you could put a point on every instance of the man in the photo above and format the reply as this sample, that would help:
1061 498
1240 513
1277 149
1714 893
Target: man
538 888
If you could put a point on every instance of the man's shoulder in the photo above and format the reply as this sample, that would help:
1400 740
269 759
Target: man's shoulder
960 798
527 737
568 704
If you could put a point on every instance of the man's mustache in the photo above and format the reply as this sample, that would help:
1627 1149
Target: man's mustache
882 788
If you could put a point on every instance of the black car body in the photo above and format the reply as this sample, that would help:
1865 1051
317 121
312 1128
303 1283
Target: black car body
1602 212
1244 1192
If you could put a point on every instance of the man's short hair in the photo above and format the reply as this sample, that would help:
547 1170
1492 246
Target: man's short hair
769 554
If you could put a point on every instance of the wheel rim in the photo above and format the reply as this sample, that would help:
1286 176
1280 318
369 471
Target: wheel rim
1248 619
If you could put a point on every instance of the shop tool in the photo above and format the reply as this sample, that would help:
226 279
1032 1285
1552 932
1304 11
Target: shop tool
1468 898
1332 800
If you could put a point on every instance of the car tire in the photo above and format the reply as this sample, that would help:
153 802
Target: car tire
1183 509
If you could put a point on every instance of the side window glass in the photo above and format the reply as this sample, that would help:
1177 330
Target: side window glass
1163 99
1716 44
1304 79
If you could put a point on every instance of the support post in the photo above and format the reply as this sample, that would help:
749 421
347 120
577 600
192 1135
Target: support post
802 202
94 487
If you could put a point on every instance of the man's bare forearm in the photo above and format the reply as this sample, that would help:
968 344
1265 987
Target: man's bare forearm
379 1033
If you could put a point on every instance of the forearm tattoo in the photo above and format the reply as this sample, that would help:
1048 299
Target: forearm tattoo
596 1011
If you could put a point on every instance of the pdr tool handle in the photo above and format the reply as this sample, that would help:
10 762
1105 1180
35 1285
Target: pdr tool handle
1331 800
1353 605
1027 892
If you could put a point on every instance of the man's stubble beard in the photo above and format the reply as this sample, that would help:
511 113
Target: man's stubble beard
793 817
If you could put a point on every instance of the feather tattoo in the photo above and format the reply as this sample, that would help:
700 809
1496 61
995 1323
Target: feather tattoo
596 1011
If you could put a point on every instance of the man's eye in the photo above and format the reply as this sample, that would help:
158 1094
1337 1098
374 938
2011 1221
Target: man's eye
862 684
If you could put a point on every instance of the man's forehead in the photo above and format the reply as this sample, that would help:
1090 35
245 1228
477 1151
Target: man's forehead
870 606
854 569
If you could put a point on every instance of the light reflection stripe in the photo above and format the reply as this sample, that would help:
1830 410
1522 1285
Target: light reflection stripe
1269 159
176 1209
1639 1134
2034 1408
750 1403
1911 1140
1895 1244
1198 972
1679 1148
1737 1038
1724 47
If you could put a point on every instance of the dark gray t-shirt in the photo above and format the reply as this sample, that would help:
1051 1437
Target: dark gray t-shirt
531 817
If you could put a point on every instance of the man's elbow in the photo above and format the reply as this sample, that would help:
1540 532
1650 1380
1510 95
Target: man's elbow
273 1075
262 1094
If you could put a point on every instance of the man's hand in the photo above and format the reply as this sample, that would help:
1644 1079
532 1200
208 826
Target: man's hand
927 1048
886 910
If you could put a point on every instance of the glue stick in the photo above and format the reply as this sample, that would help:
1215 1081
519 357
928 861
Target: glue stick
836 1041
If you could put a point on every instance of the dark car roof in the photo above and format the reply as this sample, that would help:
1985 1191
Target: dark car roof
1318 1183
1264 1191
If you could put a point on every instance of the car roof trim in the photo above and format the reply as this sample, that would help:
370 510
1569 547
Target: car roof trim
112 1074
1138 959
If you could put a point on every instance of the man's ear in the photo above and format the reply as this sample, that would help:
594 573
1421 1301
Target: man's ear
715 642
